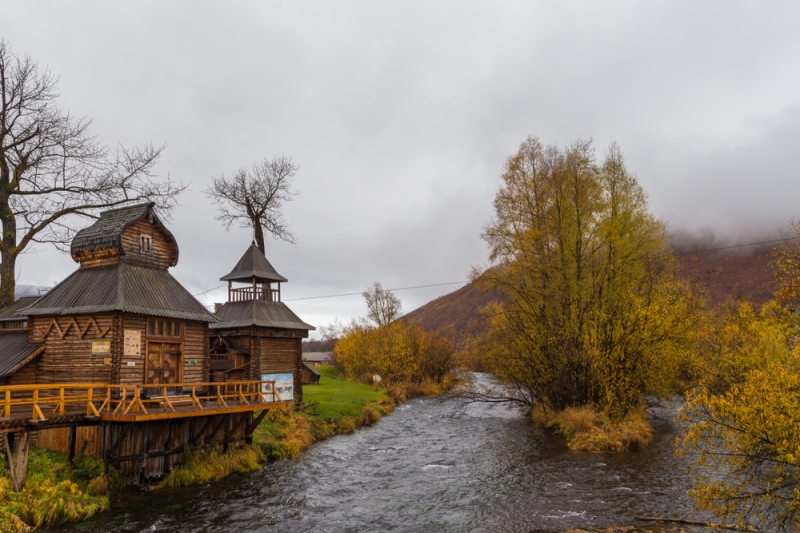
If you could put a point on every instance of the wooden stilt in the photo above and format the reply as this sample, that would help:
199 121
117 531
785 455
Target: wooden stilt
22 460
71 443
10 462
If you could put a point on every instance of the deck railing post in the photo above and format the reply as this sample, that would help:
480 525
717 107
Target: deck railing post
7 406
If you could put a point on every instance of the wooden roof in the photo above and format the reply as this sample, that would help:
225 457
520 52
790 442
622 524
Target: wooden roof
9 312
121 287
253 264
107 231
258 313
15 351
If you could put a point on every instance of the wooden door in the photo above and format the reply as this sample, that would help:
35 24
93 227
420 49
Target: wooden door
163 363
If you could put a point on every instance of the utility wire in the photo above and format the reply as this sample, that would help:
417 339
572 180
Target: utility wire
698 251
360 293
703 250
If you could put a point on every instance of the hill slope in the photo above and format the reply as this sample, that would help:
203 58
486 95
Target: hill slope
740 274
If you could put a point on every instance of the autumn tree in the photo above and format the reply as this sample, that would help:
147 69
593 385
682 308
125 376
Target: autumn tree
52 171
741 435
744 448
787 266
253 198
383 306
592 313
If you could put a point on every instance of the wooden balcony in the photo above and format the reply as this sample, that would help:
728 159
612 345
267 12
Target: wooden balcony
24 406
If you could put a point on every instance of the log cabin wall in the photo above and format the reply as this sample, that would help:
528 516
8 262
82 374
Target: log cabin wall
162 253
68 356
283 356
194 351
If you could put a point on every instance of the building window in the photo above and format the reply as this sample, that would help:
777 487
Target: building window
164 328
147 243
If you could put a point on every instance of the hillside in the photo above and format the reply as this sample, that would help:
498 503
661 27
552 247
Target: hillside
737 273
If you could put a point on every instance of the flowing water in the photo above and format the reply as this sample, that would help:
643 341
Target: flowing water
430 466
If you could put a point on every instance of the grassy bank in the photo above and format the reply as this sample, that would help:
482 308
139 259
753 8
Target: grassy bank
54 493
589 430
57 493
335 406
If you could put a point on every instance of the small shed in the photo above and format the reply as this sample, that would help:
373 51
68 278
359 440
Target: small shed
310 374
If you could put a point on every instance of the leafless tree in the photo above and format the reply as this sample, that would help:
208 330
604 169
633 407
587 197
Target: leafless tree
254 198
52 172
383 305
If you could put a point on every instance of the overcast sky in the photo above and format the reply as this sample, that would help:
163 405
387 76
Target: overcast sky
400 115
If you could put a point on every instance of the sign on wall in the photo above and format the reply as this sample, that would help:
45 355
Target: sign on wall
133 341
284 385
101 347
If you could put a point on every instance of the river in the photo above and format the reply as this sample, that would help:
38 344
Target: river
429 466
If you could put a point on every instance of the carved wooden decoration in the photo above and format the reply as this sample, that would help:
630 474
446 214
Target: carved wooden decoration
81 332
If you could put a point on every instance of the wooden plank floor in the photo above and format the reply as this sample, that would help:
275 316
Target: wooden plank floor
22 417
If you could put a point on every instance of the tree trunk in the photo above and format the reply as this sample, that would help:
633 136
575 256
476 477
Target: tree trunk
258 233
8 259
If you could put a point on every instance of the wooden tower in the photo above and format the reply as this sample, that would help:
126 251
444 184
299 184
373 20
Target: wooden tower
256 335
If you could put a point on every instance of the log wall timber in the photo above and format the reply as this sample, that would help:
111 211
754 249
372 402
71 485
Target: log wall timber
67 356
270 354
162 253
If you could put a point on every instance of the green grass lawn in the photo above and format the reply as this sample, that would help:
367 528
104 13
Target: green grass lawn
338 397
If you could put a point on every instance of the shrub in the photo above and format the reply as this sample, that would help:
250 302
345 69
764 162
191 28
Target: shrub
589 430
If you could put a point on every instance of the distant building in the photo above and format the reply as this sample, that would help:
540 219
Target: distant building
318 359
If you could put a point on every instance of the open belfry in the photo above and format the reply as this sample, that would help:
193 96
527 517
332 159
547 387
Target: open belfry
122 356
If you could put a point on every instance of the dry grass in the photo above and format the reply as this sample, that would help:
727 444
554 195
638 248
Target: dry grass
588 430
208 464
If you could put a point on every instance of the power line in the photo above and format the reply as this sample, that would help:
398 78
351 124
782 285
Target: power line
360 293
700 250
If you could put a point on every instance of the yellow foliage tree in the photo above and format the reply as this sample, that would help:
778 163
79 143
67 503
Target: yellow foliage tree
593 313
399 351
745 447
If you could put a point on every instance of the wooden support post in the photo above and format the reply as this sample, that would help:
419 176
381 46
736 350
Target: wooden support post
10 462
252 427
158 434
194 440
22 461
105 434
248 437
71 443
176 435
217 427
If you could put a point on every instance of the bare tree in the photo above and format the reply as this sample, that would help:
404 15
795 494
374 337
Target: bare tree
383 305
52 171
254 198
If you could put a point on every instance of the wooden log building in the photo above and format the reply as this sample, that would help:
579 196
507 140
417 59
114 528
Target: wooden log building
257 335
121 355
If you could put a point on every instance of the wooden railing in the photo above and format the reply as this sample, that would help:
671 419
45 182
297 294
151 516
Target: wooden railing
243 294
97 399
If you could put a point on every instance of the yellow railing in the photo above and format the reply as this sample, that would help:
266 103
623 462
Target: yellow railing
102 398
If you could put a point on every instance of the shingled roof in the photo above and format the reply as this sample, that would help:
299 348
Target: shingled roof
107 231
253 264
121 287
258 313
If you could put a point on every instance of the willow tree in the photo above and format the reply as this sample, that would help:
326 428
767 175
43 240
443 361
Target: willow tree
593 313
52 171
